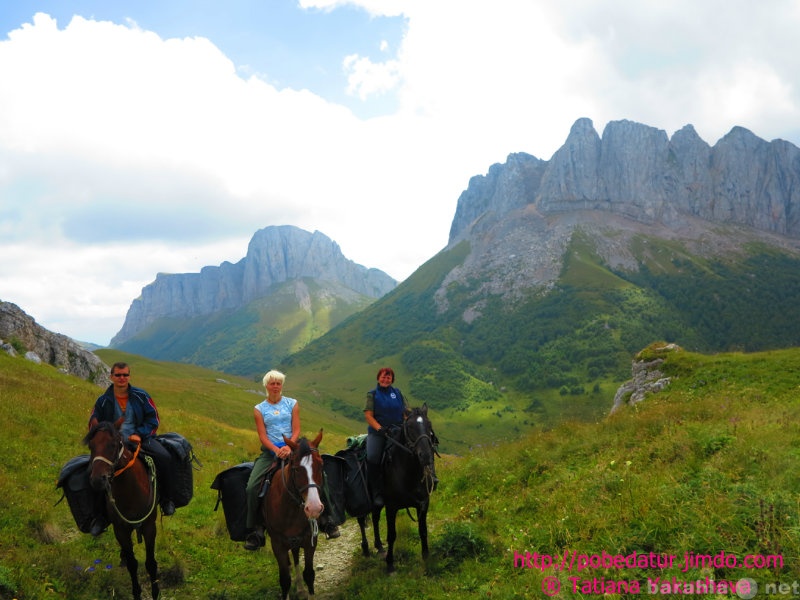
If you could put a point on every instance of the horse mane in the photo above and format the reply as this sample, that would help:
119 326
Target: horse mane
303 447
102 426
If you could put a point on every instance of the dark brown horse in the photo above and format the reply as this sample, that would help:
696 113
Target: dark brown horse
291 509
408 480
130 489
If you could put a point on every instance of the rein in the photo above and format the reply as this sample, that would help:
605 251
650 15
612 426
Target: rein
427 473
113 464
152 500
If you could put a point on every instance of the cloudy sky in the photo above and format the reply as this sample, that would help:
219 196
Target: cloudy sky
147 136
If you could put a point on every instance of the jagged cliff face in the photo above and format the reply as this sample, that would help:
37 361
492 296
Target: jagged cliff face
634 180
18 328
274 255
638 172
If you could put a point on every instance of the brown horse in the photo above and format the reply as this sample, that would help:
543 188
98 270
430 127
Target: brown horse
130 489
290 511
408 480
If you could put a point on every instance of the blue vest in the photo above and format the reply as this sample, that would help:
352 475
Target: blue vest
388 406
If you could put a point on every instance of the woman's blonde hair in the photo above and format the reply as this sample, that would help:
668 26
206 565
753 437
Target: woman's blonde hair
273 375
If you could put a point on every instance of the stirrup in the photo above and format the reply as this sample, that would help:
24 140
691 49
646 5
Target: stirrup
254 541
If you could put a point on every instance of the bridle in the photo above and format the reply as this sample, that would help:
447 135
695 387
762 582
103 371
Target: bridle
296 491
411 447
117 471
113 464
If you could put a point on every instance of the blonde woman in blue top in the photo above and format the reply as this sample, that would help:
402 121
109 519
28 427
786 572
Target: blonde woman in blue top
275 417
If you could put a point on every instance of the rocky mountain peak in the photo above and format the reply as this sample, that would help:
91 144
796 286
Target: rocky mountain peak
633 181
275 254
638 172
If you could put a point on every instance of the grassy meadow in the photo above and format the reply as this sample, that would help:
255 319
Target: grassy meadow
707 467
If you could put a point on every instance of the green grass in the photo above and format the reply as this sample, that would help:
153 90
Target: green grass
707 466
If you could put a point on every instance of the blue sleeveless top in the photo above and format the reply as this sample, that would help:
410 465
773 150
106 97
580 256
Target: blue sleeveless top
277 419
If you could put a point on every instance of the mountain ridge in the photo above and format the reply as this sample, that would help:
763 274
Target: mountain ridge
275 254
639 172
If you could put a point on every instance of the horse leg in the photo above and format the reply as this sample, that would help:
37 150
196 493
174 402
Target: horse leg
150 558
391 536
362 525
297 574
308 571
376 529
422 527
125 542
281 553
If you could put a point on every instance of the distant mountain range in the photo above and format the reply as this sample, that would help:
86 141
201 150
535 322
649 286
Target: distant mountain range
556 272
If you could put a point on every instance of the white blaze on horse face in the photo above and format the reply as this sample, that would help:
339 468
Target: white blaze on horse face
313 506
419 420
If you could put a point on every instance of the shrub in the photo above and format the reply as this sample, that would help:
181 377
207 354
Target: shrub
459 542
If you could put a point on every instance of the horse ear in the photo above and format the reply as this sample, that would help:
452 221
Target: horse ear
317 440
289 442
425 409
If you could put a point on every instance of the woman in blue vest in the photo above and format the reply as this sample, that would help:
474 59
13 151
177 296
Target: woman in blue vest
385 408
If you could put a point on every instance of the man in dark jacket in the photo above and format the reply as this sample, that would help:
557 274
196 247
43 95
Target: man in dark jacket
133 412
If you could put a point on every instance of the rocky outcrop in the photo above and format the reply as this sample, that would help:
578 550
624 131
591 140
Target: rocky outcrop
636 171
647 377
274 255
20 334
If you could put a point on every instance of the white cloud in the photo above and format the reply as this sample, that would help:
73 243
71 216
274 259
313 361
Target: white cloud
366 78
123 154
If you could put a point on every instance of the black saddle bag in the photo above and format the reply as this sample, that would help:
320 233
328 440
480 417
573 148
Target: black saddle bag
333 496
231 486
182 458
74 483
356 492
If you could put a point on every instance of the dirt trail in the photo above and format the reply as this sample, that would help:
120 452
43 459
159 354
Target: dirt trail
333 560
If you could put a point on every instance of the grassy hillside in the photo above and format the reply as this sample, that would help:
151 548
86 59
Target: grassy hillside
42 555
707 466
560 354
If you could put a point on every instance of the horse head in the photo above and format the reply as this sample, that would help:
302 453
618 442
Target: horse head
305 467
418 434
106 447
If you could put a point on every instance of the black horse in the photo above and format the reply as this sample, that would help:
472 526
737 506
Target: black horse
408 480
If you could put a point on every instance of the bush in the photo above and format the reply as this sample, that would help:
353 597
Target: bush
458 543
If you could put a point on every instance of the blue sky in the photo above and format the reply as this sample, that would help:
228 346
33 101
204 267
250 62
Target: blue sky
139 137
276 39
